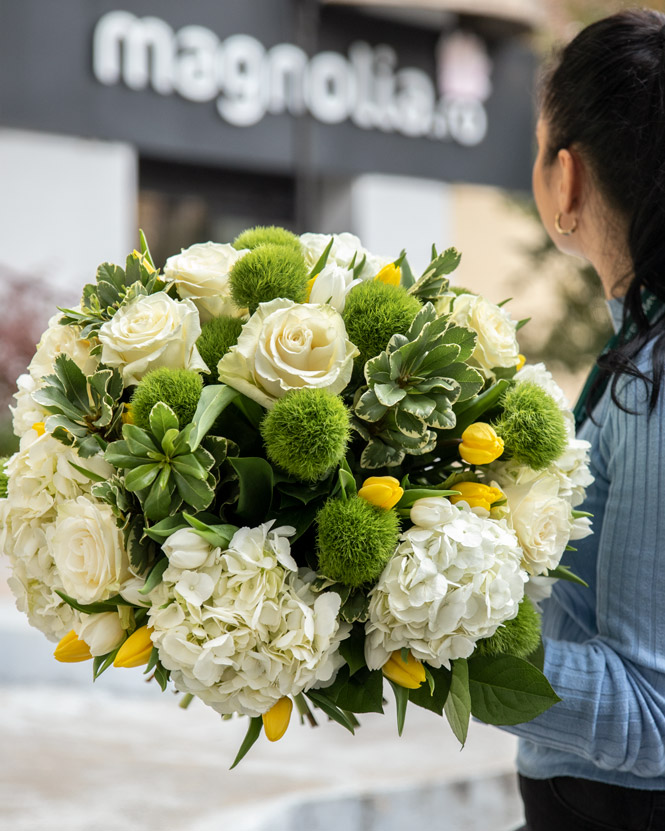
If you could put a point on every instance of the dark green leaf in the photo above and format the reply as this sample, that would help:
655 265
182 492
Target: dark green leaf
73 380
507 690
141 477
162 530
155 576
402 701
102 662
253 732
352 649
256 484
213 400
109 605
55 401
94 477
537 657
434 701
458 703
162 418
158 501
219 536
139 442
564 573
323 259
321 700
194 492
360 693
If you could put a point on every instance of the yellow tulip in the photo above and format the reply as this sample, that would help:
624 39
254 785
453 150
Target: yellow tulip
390 274
476 495
39 427
310 286
276 720
135 651
409 673
143 260
382 491
71 650
521 360
480 444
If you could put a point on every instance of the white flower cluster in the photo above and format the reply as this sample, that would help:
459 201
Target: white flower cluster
56 536
455 578
241 628
540 502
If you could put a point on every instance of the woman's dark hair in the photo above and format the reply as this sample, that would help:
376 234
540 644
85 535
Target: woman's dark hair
606 96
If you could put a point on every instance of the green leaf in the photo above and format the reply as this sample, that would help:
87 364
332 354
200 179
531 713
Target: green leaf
402 701
112 274
564 573
360 693
219 536
410 424
473 409
155 577
102 662
407 274
429 699
458 703
140 551
55 401
537 657
139 442
214 399
352 649
253 732
413 494
347 482
144 248
158 501
256 483
369 408
141 477
378 454
321 700
109 605
73 380
162 419
522 323
507 690
389 394
163 529
194 492
323 259
190 466
94 477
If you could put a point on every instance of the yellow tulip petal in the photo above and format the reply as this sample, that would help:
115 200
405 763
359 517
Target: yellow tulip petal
310 285
136 650
409 674
521 360
276 720
382 491
71 650
480 444
390 274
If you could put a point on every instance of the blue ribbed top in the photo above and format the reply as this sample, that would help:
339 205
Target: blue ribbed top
605 645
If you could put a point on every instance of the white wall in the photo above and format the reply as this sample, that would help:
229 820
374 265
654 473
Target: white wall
66 205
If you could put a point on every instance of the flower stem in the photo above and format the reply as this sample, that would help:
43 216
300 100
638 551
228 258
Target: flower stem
304 711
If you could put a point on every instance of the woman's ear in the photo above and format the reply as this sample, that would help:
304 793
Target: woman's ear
571 177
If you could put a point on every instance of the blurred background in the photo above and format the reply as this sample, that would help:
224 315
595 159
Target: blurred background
407 122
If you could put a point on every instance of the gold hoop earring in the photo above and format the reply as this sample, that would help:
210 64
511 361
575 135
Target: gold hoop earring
560 230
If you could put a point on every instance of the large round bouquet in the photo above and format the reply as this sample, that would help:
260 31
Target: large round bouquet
284 470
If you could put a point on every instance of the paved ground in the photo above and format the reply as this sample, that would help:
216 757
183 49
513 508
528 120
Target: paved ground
122 756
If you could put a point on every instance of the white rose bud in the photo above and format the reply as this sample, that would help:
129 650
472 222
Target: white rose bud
186 550
332 285
286 346
149 332
88 550
102 633
201 273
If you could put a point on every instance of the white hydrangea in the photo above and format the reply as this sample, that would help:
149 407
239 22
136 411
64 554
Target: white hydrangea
454 579
40 479
241 628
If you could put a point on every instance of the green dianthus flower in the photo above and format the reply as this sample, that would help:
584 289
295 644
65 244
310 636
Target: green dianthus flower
179 388
217 337
531 425
268 272
306 432
355 540
374 312
519 636
4 478
266 234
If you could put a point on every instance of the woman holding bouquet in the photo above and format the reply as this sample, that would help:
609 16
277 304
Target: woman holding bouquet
596 760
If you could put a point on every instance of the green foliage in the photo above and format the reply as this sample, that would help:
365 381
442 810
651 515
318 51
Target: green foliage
267 272
355 540
166 467
85 410
457 706
507 690
433 696
531 425
180 389
114 287
217 337
412 388
254 730
519 636
3 477
374 312
434 282
266 235
306 433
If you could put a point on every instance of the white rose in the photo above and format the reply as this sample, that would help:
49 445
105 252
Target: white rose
542 521
286 346
152 331
88 550
332 285
185 549
496 345
201 273
102 633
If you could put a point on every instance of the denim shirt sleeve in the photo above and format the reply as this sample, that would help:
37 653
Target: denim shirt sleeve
611 678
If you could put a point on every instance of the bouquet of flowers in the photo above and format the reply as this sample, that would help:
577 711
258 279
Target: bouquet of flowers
285 470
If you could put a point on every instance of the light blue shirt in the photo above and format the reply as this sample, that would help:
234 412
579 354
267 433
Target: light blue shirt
605 645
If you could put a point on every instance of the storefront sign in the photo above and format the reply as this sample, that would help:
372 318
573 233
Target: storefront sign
247 81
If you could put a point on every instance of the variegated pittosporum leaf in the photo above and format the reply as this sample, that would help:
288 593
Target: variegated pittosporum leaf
85 410
412 388
167 467
434 282
113 288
